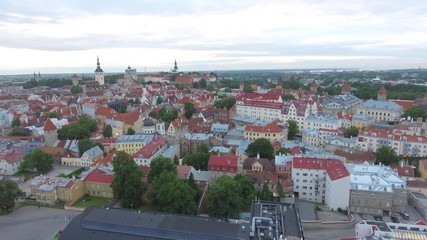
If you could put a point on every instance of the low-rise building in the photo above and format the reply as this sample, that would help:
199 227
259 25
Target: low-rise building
50 190
362 121
376 189
226 164
98 183
132 143
10 160
272 131
91 156
381 111
146 154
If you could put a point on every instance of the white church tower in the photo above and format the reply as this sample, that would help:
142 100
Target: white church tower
99 74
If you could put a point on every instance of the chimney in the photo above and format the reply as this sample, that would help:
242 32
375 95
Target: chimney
257 156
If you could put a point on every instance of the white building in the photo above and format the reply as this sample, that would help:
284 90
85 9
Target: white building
99 73
10 160
376 189
266 107
403 145
150 151
382 111
326 181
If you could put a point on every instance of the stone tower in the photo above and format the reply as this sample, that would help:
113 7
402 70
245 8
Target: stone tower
50 133
345 90
75 80
382 94
313 86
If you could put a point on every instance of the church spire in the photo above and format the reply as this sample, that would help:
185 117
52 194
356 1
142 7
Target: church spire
175 67
97 62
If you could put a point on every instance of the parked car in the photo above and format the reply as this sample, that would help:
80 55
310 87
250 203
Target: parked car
395 219
404 215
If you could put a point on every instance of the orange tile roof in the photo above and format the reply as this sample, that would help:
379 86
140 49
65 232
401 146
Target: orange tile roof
49 126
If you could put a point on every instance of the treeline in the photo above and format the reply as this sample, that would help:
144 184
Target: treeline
52 83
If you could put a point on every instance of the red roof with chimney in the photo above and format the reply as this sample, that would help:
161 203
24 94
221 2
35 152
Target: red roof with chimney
271 128
105 111
49 126
129 117
11 156
227 162
184 79
405 103
335 168
99 176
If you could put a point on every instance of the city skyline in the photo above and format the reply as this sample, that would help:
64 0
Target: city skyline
212 35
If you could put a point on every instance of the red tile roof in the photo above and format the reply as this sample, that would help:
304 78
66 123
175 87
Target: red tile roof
405 171
405 103
223 161
334 168
99 176
270 128
129 117
184 79
357 157
382 91
11 157
150 149
105 112
183 171
345 88
49 126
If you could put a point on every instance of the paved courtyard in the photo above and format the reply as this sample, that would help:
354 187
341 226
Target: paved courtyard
32 223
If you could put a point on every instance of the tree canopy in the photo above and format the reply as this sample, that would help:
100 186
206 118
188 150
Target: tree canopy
107 132
37 160
189 110
53 115
415 112
265 194
9 193
247 189
159 165
224 199
173 195
76 90
86 144
261 146
199 160
292 129
283 151
351 132
386 155
127 185
130 131
225 103
82 129
288 96
16 122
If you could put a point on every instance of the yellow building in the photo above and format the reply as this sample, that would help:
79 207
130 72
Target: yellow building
132 143
50 190
362 121
422 168
271 131
98 183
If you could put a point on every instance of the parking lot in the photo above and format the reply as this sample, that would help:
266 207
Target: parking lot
32 223
413 216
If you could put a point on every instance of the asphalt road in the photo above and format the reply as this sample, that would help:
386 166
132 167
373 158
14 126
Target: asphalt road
32 223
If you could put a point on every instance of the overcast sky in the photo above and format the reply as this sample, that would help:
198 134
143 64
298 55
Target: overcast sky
54 36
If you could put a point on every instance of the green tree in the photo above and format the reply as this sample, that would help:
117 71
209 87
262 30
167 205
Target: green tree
127 186
192 183
265 194
247 189
261 146
351 132
386 155
137 101
189 110
168 116
175 160
16 122
122 108
283 151
203 83
9 193
86 144
53 115
224 198
37 160
225 103
107 132
19 132
199 159
130 131
159 165
195 85
173 195
279 191
159 100
288 97
76 90
248 88
415 112
292 129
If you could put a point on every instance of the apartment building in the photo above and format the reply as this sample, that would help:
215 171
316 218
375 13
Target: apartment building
299 110
362 121
98 183
52 189
403 145
191 141
132 143
266 107
341 103
274 131
376 189
325 181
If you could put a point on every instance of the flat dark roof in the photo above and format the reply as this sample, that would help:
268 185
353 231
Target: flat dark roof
101 223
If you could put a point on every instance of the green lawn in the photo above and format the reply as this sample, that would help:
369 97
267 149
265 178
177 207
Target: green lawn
57 205
24 173
91 201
